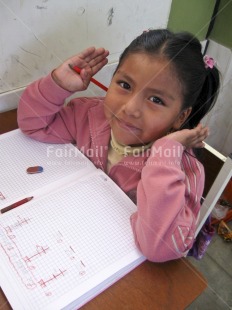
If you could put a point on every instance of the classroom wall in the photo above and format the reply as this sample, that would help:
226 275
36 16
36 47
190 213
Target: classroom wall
221 32
37 35
192 15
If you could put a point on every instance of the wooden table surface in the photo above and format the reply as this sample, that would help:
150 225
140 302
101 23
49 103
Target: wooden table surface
150 286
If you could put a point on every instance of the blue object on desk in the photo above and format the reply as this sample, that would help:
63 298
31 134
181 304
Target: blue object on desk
35 169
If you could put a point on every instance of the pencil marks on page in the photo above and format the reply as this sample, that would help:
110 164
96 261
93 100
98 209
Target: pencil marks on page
2 197
53 246
33 264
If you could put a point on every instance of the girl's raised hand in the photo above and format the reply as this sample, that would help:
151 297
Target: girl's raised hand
191 138
90 61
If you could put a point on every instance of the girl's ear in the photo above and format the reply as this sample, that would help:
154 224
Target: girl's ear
182 118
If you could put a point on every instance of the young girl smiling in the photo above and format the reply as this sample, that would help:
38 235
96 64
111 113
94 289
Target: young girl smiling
145 127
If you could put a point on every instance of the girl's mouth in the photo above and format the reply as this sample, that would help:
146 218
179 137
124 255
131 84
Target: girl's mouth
127 126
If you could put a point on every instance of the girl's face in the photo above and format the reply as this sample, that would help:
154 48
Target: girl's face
144 100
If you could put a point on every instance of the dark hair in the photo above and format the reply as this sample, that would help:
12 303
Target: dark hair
200 85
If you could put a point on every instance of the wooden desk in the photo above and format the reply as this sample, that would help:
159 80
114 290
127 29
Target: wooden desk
151 286
8 121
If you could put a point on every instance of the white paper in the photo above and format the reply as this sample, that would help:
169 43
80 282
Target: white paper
68 246
18 152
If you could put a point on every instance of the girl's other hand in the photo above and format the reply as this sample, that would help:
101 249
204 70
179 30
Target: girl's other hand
191 138
90 61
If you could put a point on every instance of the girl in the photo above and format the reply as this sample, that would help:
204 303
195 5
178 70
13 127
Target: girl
141 133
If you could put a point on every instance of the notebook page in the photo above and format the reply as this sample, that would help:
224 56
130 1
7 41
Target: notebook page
114 273
18 152
65 244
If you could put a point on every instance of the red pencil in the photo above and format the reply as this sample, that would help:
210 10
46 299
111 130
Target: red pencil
16 204
78 70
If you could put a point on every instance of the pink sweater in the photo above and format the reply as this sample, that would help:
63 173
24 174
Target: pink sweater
166 183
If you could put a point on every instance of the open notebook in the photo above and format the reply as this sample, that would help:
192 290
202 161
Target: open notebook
73 240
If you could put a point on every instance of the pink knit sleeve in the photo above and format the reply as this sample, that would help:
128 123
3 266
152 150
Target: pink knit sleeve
168 200
38 115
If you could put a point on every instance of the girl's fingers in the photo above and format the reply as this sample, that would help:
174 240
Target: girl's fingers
93 54
98 62
191 138
90 61
88 72
99 65
86 54
202 132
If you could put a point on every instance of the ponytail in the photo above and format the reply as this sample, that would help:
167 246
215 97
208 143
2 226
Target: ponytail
206 99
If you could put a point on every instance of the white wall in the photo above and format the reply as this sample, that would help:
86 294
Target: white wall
219 119
37 35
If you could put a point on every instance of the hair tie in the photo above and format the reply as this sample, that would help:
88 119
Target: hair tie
209 62
147 30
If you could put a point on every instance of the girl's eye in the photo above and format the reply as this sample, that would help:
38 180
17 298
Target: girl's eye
124 85
156 100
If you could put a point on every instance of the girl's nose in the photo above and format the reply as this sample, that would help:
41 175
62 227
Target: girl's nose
133 107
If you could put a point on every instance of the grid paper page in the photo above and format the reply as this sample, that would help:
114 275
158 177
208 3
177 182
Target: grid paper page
18 152
64 242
